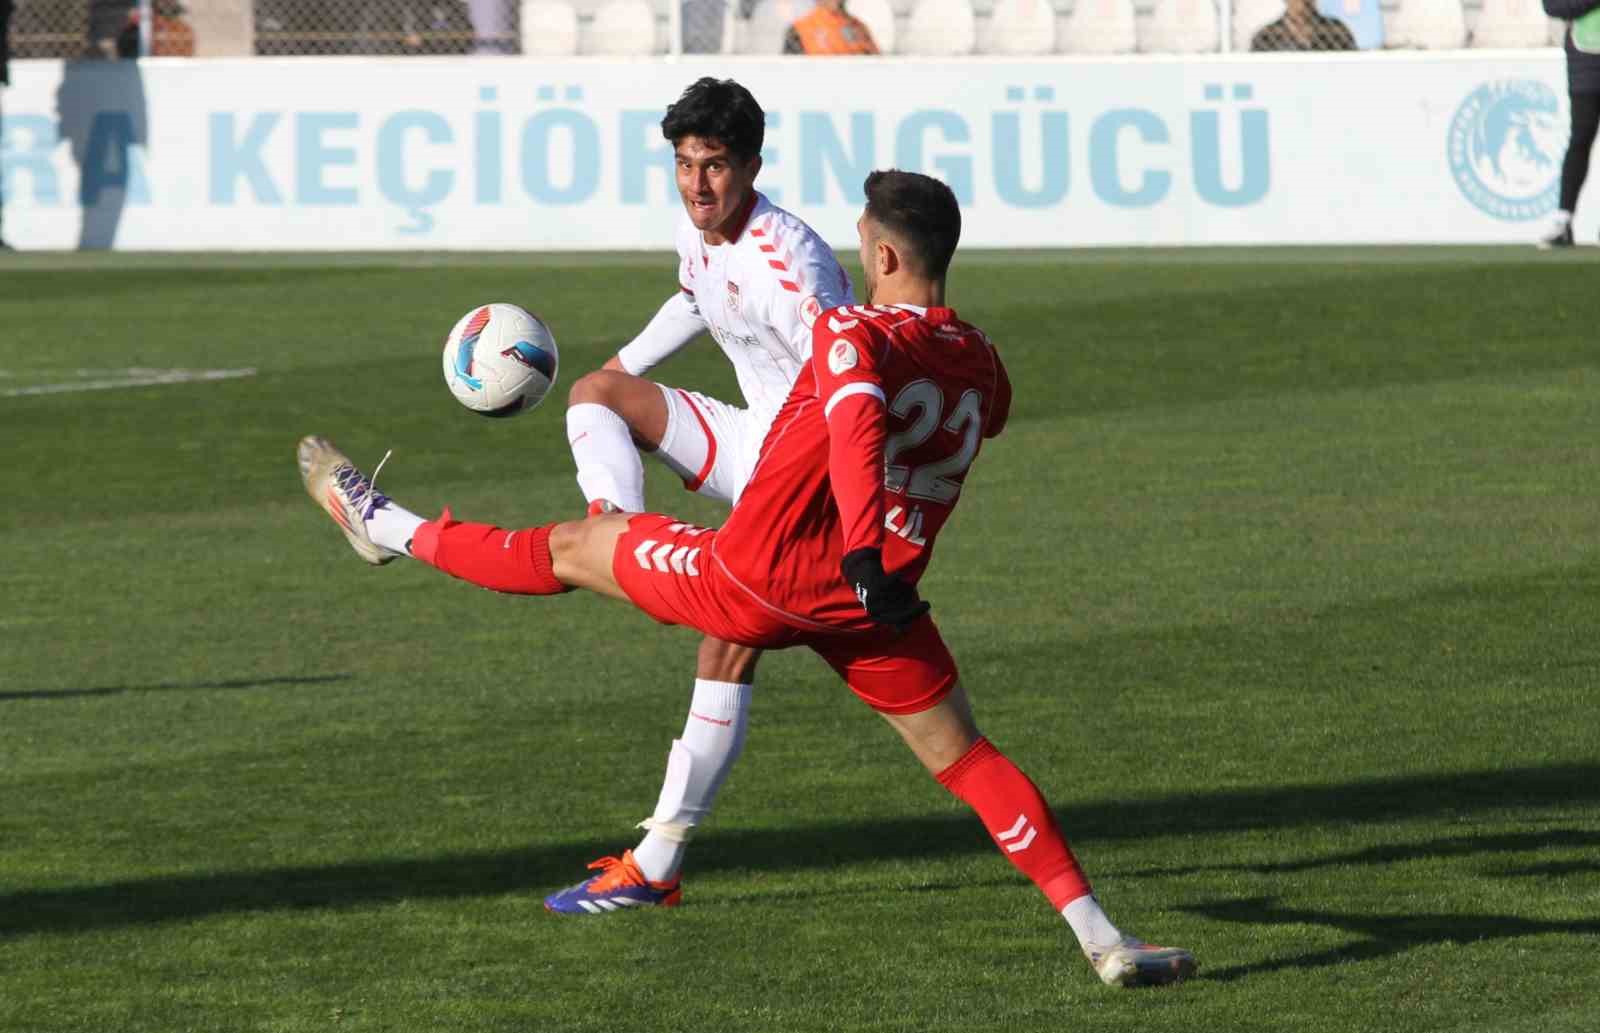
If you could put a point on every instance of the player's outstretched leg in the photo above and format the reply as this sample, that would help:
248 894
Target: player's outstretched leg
1019 820
545 560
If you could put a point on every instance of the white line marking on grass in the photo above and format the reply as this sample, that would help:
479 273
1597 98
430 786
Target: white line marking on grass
112 380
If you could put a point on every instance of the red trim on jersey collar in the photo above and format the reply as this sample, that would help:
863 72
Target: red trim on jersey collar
742 217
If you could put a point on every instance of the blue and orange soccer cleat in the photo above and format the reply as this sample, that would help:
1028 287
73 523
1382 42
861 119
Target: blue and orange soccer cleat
1132 962
619 886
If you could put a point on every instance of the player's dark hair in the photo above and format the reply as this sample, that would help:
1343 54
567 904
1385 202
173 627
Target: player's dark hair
921 213
721 110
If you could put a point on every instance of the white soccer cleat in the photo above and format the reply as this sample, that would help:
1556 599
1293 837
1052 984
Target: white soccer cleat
1132 962
334 483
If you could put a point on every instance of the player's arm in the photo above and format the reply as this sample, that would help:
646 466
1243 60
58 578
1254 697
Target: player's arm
854 407
676 324
793 315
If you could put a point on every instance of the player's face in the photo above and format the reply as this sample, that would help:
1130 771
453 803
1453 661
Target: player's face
714 185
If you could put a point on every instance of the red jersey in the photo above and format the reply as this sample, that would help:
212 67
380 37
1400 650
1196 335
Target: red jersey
870 449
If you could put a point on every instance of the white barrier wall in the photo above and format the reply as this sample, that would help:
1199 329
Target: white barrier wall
415 153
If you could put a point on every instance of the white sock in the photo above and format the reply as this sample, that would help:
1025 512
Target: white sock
392 527
608 463
1090 924
713 735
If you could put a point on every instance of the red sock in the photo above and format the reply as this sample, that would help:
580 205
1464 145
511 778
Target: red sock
1016 815
490 557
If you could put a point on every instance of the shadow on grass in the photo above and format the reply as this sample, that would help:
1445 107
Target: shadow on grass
1393 853
823 846
1380 936
175 686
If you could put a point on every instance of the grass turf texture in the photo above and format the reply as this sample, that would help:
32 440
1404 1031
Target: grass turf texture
1283 584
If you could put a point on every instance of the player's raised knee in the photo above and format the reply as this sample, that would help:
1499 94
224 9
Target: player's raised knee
595 387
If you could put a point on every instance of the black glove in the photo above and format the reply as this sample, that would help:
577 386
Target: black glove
886 598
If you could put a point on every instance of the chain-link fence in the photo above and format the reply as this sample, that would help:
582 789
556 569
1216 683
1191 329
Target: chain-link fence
110 28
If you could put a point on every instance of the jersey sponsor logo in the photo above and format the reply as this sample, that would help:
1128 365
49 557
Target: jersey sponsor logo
842 357
810 309
1505 144
728 339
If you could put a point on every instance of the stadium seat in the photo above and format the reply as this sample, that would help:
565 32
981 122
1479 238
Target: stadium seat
1428 25
1511 23
878 17
763 31
1251 16
1180 27
1363 17
1021 27
940 28
1099 27
622 27
549 29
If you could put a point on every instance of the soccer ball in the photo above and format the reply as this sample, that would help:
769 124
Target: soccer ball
500 360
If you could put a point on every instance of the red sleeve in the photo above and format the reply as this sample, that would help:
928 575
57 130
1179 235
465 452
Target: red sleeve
844 357
1000 408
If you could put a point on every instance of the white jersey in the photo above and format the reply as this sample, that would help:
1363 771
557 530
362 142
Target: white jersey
757 295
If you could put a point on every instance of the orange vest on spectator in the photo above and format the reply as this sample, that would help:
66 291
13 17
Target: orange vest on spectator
833 32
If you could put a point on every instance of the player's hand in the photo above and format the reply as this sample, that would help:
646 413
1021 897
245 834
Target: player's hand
886 598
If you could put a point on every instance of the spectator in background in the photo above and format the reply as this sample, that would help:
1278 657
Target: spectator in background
702 22
492 31
1583 84
108 24
1302 28
170 35
5 78
828 29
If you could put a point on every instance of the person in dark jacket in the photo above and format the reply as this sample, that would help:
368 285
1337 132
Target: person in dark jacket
5 79
1583 83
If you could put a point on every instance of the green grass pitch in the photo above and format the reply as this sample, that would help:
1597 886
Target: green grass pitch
1284 585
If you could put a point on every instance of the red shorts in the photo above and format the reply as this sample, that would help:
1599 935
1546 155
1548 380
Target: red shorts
667 568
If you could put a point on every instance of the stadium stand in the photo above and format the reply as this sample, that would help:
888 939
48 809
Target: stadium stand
621 28
1100 27
549 28
1511 23
1248 18
1364 17
1428 25
762 31
1020 27
1180 27
878 17
940 28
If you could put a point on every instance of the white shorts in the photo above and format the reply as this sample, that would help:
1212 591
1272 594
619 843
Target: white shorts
710 444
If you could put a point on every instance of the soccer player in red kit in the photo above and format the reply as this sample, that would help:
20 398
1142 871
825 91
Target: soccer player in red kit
862 467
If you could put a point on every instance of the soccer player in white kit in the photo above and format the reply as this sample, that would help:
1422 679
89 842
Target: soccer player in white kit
755 277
